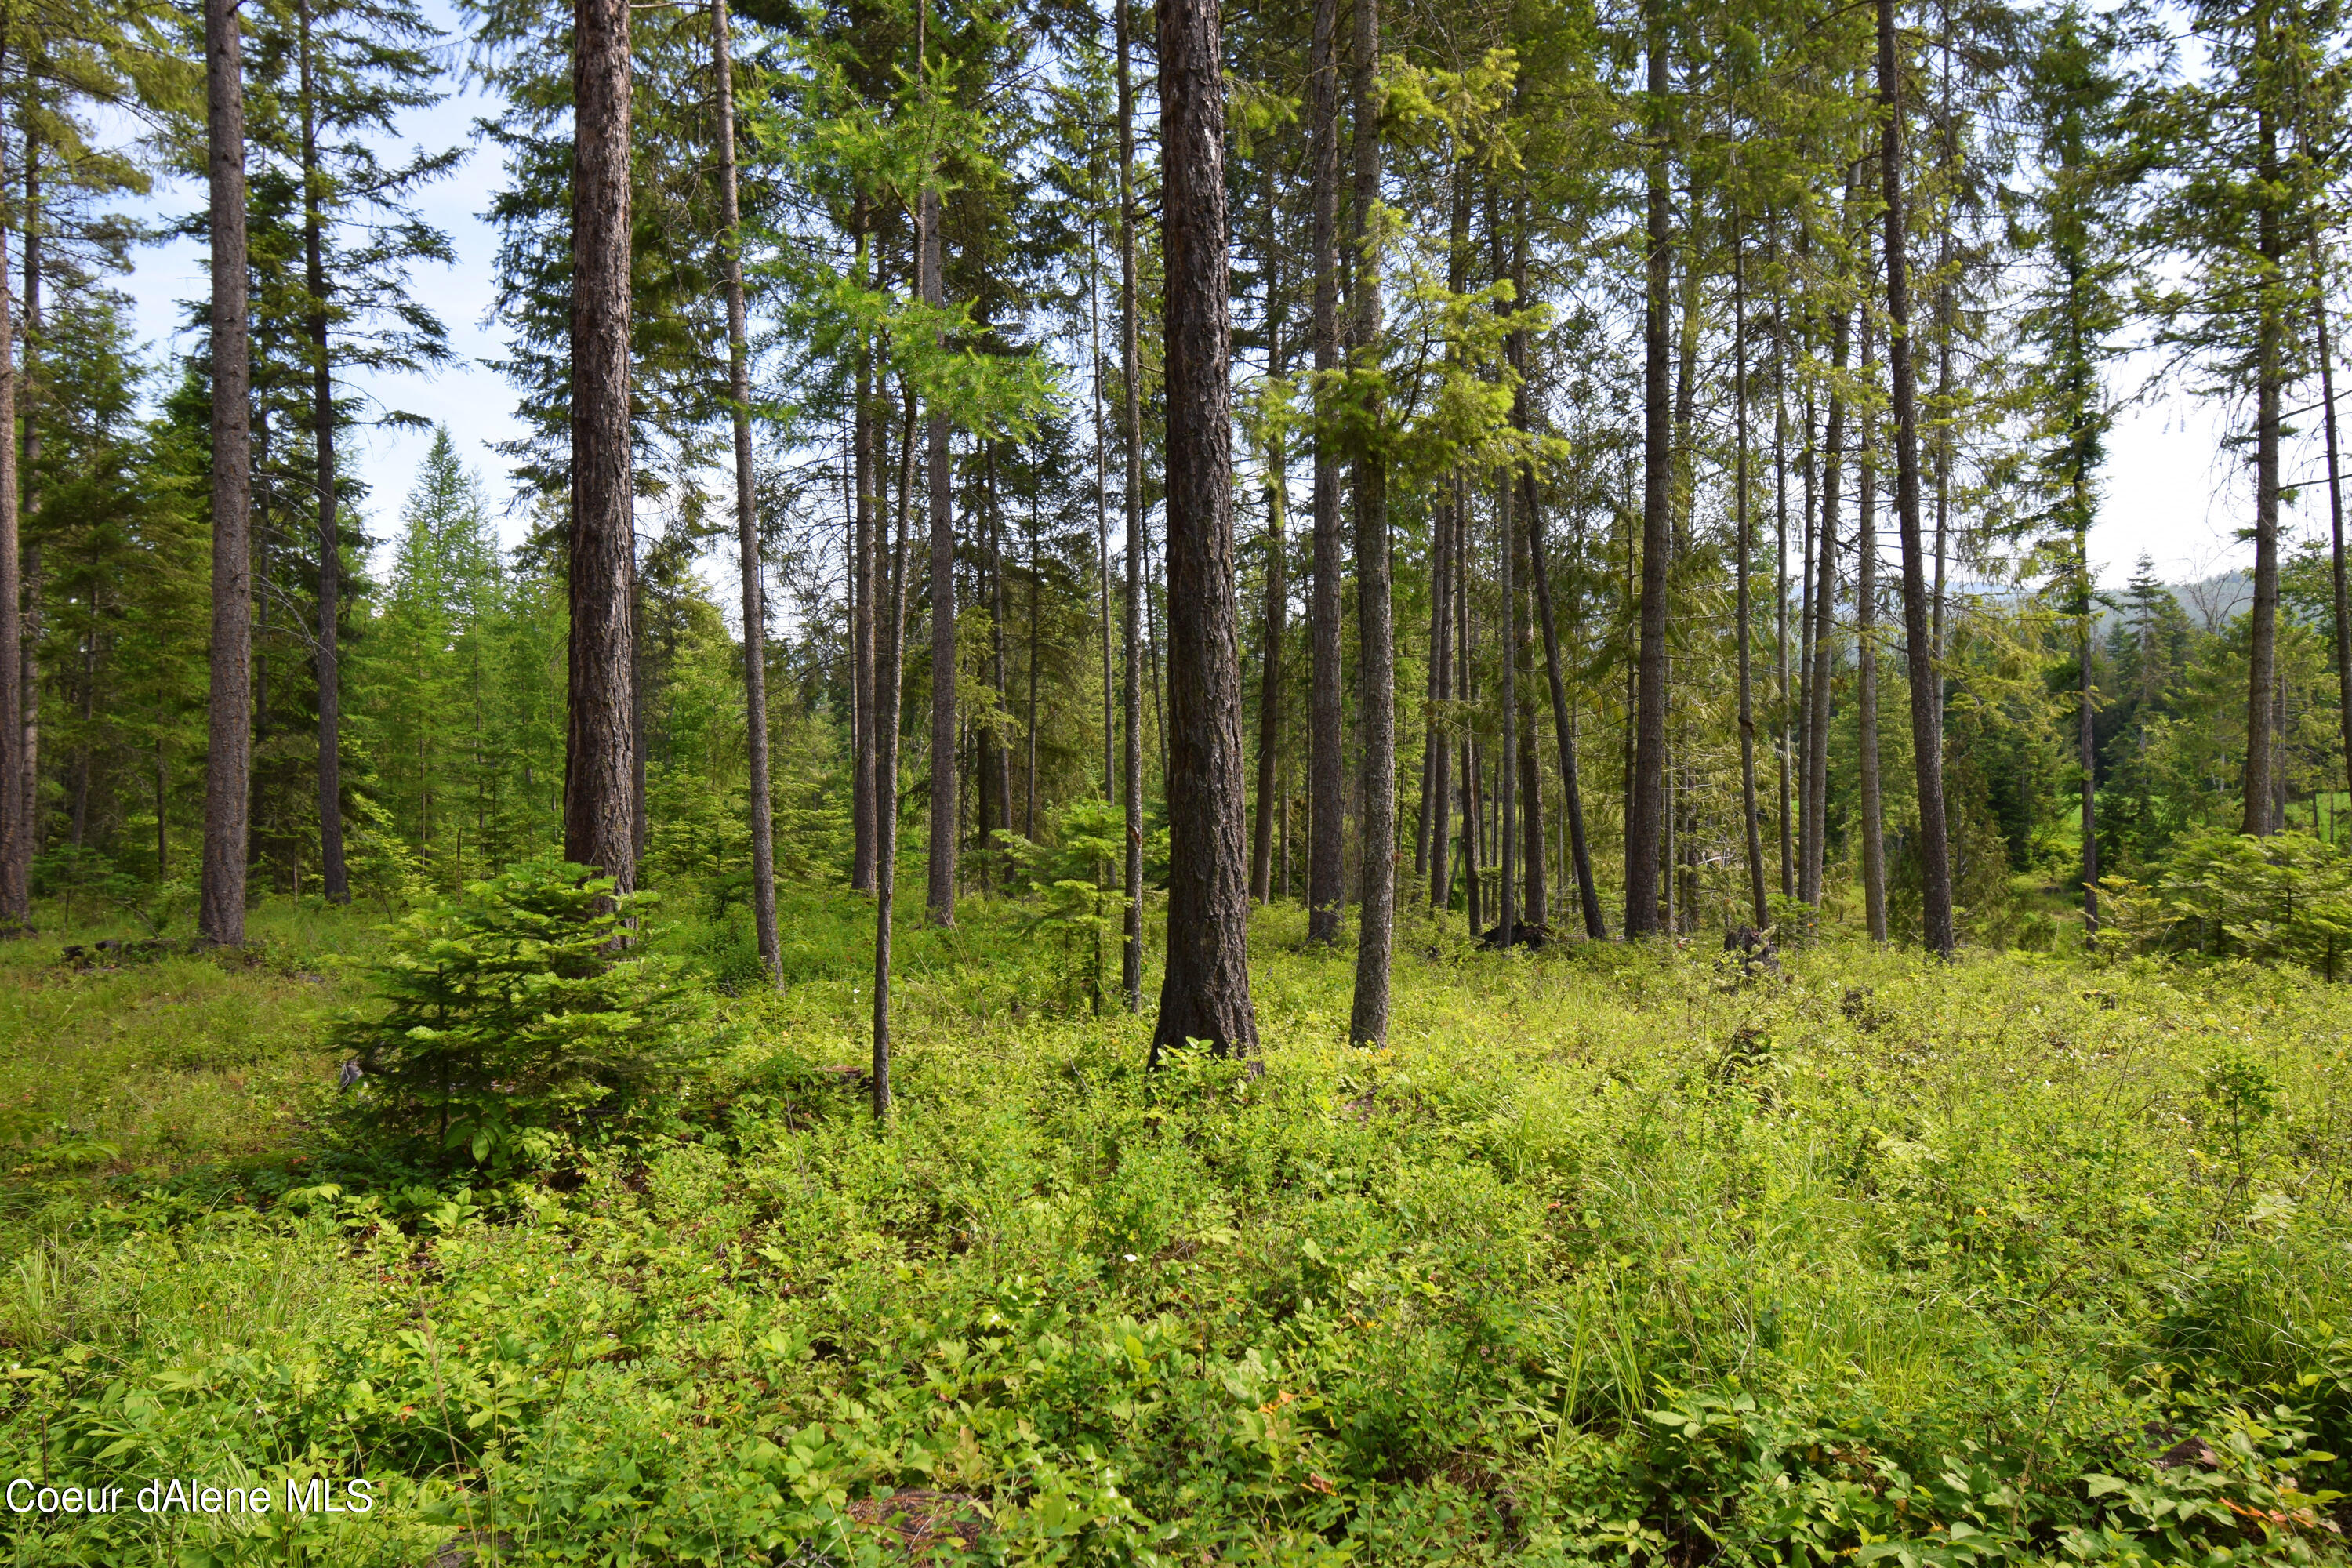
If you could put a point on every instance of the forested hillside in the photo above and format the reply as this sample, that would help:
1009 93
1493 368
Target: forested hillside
1295 785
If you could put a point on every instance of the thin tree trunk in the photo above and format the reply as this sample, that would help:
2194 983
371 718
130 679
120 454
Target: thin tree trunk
1270 676
1786 747
333 873
864 578
1326 786
1375 628
1866 653
26 783
888 678
1824 653
1645 826
1205 992
1759 909
1445 586
1102 518
747 520
1928 757
1473 807
2343 604
1029 772
946 818
1130 956
229 740
2263 664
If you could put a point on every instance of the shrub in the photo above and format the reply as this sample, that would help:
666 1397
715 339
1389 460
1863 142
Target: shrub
513 1010
2284 899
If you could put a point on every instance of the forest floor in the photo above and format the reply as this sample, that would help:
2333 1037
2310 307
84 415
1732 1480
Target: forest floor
1611 1254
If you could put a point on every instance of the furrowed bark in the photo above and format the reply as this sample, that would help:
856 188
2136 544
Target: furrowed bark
229 740
1204 991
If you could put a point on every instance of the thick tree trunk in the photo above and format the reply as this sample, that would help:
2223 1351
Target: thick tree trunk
939 898
747 518
1927 744
1326 786
1130 956
1375 628
1865 654
866 548
1204 991
891 659
1759 911
1644 806
332 870
229 740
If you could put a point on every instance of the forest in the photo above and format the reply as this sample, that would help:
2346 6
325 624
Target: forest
1292 784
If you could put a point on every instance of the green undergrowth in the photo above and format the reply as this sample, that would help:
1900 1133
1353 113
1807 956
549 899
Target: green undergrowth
1609 1256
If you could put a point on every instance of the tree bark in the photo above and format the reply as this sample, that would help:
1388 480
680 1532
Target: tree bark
747 520
1928 755
1326 804
864 580
1130 954
1865 654
888 678
1375 629
1204 991
1644 806
938 906
26 780
2343 602
333 873
229 740
1786 749
1816 679
1759 911
1277 587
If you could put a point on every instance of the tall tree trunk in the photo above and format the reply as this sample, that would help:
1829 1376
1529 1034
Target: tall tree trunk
2269 381
1102 516
26 782
228 738
1473 807
866 579
1644 806
1865 654
1787 746
888 678
1445 586
1506 552
1375 629
1130 955
1204 991
999 747
1927 745
1277 607
332 870
1029 772
2343 602
1326 804
747 519
1759 911
1825 654
946 816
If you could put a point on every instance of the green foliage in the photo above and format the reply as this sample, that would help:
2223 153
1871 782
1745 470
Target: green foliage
2002 1260
2286 899
512 1013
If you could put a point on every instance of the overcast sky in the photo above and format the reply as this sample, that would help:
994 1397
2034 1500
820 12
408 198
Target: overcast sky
2169 491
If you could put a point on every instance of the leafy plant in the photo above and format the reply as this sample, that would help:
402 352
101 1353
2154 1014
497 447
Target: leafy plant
515 1009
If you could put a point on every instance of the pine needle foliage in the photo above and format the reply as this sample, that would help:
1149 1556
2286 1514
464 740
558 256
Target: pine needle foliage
512 1014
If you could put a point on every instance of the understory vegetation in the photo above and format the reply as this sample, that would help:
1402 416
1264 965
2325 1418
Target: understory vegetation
1615 1252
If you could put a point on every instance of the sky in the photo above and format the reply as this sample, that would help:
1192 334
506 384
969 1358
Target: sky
2169 491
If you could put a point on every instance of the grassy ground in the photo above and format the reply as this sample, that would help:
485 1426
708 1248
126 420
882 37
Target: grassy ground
1609 1256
